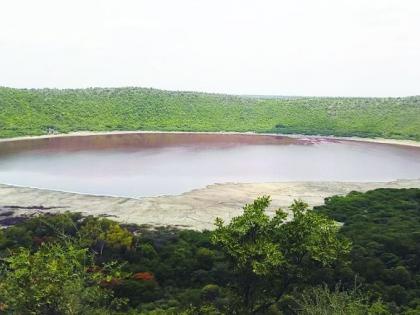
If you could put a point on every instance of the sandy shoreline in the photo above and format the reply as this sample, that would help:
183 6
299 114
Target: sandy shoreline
196 209
100 133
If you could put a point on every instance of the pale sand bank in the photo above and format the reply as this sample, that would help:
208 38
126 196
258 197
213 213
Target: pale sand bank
93 133
196 209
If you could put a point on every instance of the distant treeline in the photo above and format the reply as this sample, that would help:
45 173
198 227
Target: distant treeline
255 264
41 111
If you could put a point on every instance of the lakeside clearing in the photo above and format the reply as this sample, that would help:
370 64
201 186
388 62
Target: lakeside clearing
196 209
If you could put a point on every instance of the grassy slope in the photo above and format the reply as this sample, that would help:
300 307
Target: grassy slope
32 112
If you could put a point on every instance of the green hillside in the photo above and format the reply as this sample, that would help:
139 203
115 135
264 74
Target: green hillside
36 112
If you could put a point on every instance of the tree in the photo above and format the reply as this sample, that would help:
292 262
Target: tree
56 279
323 301
269 254
96 233
117 237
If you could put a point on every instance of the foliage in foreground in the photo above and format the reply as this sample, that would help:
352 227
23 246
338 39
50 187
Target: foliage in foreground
66 264
384 226
323 301
270 256
34 112
56 279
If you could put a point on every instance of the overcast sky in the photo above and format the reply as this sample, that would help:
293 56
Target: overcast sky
294 47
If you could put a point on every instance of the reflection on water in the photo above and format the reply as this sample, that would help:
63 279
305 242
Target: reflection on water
154 164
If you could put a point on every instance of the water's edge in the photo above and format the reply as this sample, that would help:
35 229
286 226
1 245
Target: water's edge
104 133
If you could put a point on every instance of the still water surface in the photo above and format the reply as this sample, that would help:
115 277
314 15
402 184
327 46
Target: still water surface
136 165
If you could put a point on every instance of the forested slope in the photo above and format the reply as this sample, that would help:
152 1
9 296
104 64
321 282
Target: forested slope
255 264
36 112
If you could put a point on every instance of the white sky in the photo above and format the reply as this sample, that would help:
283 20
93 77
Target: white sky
282 47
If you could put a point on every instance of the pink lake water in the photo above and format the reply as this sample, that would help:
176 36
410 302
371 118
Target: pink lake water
138 165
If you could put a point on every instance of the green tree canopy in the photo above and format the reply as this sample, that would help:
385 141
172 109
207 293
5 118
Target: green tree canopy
268 253
56 279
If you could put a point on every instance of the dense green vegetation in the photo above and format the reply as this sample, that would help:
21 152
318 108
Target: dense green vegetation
384 226
255 264
35 112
